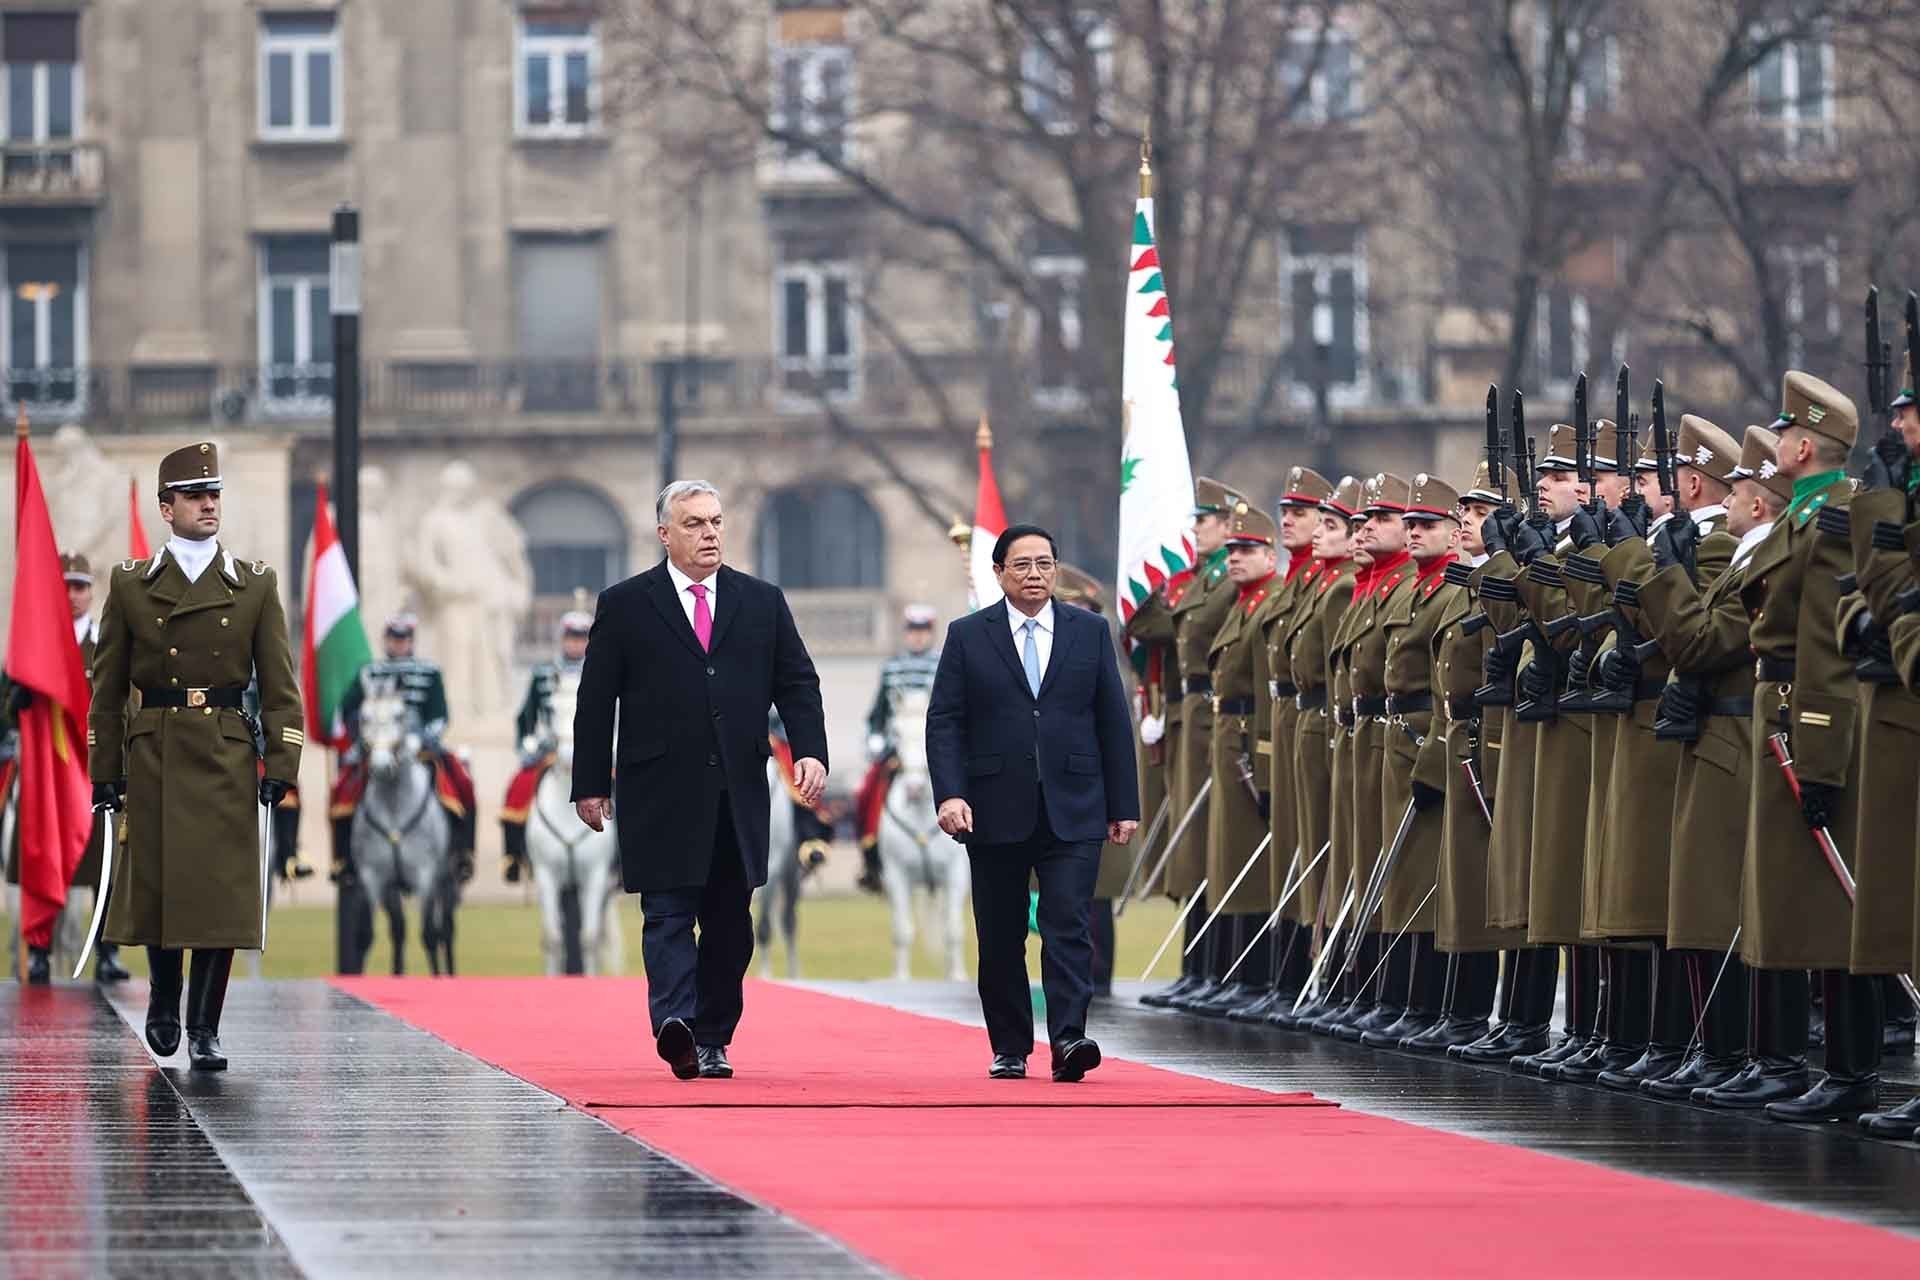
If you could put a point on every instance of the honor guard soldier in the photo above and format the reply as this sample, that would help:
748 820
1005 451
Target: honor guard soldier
423 689
1198 603
911 669
1317 733
534 731
1800 917
186 630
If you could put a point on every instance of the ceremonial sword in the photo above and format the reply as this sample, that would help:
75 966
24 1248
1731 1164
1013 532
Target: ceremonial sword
1823 838
1479 794
1140 858
1177 922
100 896
266 866
1386 954
1173 841
1286 896
1228 895
1706 1004
1377 884
1326 948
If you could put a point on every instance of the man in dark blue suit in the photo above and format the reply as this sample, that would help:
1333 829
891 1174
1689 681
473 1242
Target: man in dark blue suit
1031 749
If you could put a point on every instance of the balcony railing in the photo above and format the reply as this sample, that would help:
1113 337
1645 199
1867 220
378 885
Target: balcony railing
52 174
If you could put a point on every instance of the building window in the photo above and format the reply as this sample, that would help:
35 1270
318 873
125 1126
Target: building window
1320 72
1059 285
812 101
575 539
1810 299
1053 65
557 311
43 76
557 91
46 325
817 329
1793 93
299 76
1325 275
296 329
1562 336
821 537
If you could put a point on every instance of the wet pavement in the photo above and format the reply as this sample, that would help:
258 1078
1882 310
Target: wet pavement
1831 1169
343 1142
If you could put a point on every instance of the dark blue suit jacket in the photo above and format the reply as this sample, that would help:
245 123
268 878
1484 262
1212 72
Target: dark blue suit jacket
992 743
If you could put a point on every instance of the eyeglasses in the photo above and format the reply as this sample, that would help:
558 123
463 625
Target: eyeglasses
1024 567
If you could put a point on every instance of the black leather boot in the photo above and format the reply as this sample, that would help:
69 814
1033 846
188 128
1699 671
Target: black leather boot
1526 1026
206 997
1722 1049
1190 975
1465 1006
1670 1029
1583 1008
1268 952
1898 1035
1426 993
107 968
163 999
1900 1124
1202 955
1390 987
1852 1083
39 966
1353 1001
1624 1000
1778 1070
1223 943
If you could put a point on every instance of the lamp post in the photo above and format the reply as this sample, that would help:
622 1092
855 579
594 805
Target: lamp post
352 912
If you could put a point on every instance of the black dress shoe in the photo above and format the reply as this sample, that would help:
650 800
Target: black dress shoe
1834 1098
1899 1124
1896 1037
1586 1068
1378 1018
1500 1047
1225 998
107 968
1765 1080
1008 1066
1201 992
1657 1063
1448 1033
1164 997
1408 1025
1072 1059
675 1046
713 1062
1259 1010
204 1052
1701 1071
39 967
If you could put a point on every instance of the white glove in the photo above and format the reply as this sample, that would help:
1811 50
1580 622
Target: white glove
876 746
1152 729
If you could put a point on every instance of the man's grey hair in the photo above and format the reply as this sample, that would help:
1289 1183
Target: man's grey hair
677 490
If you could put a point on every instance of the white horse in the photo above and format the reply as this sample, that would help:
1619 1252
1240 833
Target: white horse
402 837
914 851
571 859
780 900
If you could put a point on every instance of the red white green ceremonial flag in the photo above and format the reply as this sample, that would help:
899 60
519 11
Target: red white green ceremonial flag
1156 477
137 547
989 522
334 646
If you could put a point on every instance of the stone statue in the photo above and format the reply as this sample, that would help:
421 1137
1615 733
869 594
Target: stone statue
383 591
87 498
469 566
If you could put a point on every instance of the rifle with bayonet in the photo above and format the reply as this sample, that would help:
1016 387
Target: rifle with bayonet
1496 445
1678 717
1505 652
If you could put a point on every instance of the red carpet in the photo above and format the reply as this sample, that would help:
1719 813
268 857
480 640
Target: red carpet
939 1177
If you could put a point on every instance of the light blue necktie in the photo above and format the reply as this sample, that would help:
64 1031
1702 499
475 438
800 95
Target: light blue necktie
1030 657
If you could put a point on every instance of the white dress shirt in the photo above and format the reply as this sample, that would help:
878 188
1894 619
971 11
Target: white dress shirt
1754 537
1707 515
85 629
192 557
1042 634
680 584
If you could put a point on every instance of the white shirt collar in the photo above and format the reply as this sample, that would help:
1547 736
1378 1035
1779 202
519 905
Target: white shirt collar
681 581
1754 537
1658 521
1560 526
1477 561
1017 619
193 557
83 628
1706 515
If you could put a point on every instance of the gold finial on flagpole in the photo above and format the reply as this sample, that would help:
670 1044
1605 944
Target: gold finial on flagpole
960 534
983 438
20 428
1146 164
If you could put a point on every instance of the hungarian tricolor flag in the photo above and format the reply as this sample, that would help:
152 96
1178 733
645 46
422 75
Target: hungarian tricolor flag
989 522
1156 478
334 644
136 536
55 806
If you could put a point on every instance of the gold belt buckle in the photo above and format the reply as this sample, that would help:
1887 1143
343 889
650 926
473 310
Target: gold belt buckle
196 697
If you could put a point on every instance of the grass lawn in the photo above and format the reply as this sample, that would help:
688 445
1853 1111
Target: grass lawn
840 937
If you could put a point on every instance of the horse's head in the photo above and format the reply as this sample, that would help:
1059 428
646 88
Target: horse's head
387 736
910 727
560 708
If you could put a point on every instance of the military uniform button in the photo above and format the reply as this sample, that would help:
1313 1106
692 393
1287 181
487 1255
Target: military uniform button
173 653
206 711
226 622
159 622
173 679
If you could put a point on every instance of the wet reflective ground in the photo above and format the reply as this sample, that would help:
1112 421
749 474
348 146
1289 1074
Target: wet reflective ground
343 1142
1829 1169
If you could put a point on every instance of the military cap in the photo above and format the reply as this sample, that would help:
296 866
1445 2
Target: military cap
1757 463
1386 493
1250 526
1305 488
1076 586
1902 400
1345 499
1560 454
192 469
574 622
1211 498
402 625
918 615
1606 445
1806 401
75 569
1432 498
1486 484
1705 447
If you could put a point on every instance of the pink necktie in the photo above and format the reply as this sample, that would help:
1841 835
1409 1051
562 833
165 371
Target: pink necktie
702 616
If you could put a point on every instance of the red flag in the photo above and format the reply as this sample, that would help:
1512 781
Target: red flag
55 803
136 536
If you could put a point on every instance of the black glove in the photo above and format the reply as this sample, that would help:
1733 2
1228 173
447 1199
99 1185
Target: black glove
1426 797
110 795
1867 642
1628 521
1498 665
1618 673
1586 528
1266 805
1495 531
1680 702
1819 802
1674 542
1527 542
273 791
1579 662
1536 682
1891 451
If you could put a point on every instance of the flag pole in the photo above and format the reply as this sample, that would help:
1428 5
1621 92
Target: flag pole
20 433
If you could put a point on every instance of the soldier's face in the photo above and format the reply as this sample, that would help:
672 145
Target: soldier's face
1209 531
79 597
691 534
1332 539
1386 534
1472 516
1613 487
1430 539
1297 527
919 639
1560 492
194 516
1249 562
1906 420
1745 509
399 647
573 647
1647 485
